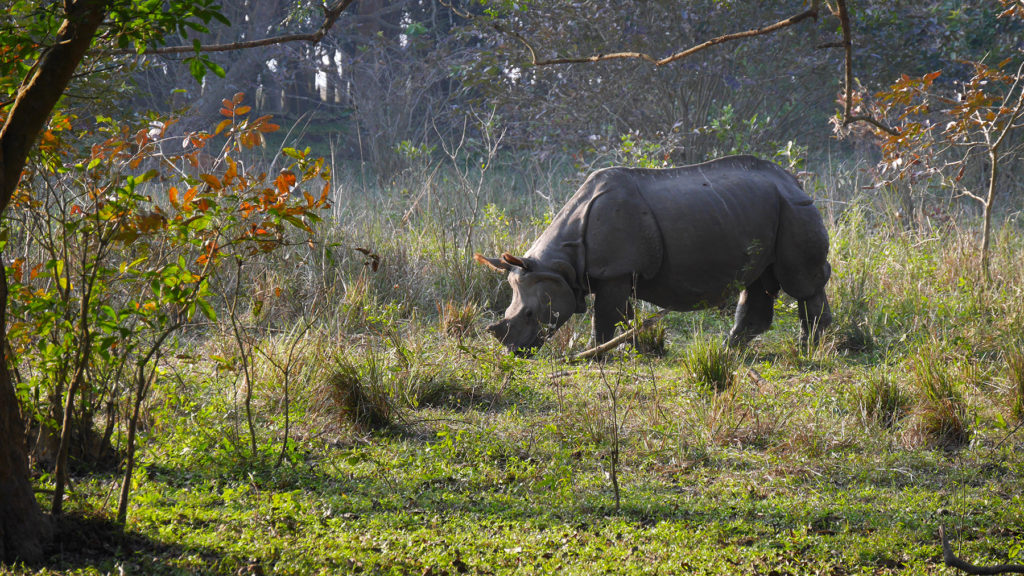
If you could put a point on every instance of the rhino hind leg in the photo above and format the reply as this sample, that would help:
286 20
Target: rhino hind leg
755 309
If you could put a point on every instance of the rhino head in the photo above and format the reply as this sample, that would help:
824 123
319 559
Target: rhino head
542 300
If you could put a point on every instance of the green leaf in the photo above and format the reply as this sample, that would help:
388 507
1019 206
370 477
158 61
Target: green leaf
207 310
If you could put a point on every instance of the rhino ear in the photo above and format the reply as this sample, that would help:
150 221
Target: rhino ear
495 264
515 261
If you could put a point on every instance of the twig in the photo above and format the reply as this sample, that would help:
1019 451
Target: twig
952 561
627 335
848 118
331 14
811 12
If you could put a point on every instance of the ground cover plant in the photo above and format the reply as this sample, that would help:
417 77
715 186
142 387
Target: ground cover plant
373 427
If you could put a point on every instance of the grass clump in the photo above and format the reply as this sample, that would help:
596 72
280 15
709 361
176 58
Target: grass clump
883 401
1014 358
711 364
941 405
458 321
650 340
362 396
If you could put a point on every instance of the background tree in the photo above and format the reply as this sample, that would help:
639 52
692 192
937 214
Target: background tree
957 132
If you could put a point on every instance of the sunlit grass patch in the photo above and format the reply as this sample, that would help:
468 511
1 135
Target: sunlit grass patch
711 364
1013 356
941 408
881 400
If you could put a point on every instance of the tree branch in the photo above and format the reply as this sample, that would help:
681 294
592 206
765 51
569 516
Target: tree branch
42 88
952 561
331 15
848 117
811 12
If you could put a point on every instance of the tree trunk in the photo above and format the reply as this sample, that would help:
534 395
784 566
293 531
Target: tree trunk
24 530
986 231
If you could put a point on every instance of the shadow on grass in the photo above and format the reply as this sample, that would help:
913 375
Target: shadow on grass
84 542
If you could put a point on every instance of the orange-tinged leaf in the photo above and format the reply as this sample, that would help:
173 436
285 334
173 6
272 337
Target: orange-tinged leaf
76 209
310 201
34 272
242 110
269 127
285 180
222 125
211 180
227 112
237 98
172 195
190 194
227 104
203 205
16 267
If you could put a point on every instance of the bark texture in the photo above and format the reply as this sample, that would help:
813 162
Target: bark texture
24 529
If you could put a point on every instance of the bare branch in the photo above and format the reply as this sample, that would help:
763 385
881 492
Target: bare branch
627 335
952 561
811 12
847 120
331 15
848 117
1016 109
963 192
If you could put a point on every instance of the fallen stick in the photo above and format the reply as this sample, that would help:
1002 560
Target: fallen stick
627 335
952 561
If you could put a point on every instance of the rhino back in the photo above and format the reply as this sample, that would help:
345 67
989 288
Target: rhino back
719 224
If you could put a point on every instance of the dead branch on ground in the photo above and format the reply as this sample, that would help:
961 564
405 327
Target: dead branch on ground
951 560
625 336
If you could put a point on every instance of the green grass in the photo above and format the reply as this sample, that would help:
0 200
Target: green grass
843 459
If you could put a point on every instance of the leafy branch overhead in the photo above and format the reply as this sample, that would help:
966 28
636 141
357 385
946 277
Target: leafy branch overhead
331 13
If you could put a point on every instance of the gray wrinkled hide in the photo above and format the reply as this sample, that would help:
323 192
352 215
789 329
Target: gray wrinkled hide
683 239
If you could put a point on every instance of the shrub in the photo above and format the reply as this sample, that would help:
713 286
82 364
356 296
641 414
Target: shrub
1014 358
711 364
941 405
882 401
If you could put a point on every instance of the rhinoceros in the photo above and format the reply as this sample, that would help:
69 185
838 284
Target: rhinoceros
680 238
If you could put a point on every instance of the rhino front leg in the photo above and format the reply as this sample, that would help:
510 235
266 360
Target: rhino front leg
611 307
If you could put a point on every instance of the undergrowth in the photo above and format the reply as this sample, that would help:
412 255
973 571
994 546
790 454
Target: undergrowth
413 444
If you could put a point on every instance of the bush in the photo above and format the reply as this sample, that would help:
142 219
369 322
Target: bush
882 401
1014 358
941 405
711 364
